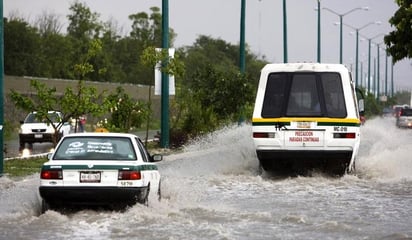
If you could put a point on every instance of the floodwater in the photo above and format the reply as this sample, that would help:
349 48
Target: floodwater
213 191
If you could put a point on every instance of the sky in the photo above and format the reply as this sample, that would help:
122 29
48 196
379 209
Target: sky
264 27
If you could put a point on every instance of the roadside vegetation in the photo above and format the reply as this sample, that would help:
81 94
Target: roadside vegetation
210 90
16 168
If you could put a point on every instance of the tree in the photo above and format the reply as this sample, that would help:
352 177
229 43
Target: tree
72 103
126 113
55 56
148 28
21 52
83 23
212 92
146 33
85 27
48 23
399 41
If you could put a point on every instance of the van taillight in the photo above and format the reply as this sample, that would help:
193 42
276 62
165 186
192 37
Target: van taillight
260 135
51 174
129 175
344 135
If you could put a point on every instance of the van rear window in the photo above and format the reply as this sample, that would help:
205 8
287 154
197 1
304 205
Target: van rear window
406 112
304 94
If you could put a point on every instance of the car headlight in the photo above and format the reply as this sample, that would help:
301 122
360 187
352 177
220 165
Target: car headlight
24 130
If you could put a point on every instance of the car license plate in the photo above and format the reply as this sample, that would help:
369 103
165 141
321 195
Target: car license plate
38 135
90 177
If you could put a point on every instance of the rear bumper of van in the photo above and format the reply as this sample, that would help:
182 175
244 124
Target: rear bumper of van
332 161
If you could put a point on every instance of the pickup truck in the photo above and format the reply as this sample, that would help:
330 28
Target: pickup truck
35 130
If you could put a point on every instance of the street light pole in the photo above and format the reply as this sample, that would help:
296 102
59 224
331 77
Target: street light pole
341 15
369 65
357 58
285 34
357 47
341 40
392 85
1 88
242 37
319 39
369 59
386 74
164 130
377 73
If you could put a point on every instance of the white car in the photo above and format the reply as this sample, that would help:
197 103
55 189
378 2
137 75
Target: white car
405 118
35 130
99 169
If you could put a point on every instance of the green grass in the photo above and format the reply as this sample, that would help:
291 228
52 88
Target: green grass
23 167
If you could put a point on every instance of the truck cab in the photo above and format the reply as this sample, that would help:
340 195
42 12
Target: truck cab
35 130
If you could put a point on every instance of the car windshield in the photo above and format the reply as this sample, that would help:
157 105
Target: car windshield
33 118
406 112
95 148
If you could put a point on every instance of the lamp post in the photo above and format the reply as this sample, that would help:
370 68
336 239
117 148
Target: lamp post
386 70
341 15
1 87
164 130
369 58
318 58
357 46
242 37
377 73
392 85
386 73
285 34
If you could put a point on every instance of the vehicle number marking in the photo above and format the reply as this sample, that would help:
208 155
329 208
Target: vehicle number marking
340 129
90 177
303 124
123 183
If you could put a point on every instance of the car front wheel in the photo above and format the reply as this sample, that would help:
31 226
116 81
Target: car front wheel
45 206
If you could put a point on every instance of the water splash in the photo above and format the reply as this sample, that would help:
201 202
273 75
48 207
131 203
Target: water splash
385 150
227 151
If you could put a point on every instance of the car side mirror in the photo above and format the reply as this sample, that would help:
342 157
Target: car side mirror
156 158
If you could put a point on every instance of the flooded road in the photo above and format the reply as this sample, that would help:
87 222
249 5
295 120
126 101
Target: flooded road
213 191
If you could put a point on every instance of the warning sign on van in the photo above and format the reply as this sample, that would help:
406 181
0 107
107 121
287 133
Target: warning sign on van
304 138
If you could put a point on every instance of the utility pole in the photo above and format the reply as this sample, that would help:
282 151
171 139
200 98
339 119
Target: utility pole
319 49
242 61
285 34
1 87
164 130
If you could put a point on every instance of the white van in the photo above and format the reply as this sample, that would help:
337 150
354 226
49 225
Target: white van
306 117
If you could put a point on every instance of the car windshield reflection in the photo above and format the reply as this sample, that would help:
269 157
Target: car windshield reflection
95 148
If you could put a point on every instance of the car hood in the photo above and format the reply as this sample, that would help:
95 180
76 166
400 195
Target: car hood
36 126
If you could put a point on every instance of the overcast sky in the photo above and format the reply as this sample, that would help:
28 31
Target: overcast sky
264 26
